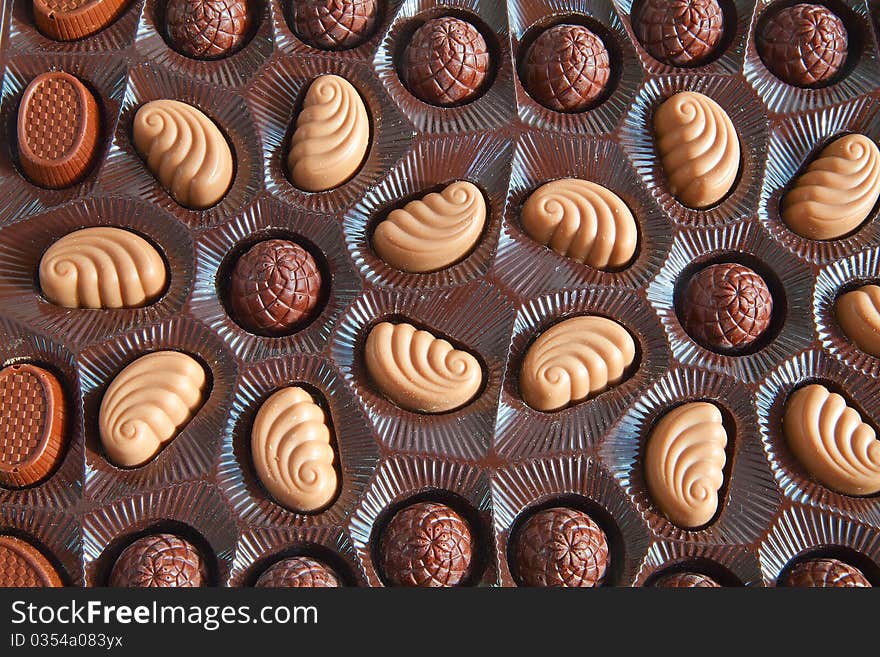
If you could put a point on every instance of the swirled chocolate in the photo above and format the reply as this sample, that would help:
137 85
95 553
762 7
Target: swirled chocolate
858 313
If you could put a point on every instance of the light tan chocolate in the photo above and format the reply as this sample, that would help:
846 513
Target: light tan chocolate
332 135
684 463
837 192
831 441
147 405
420 372
185 150
698 147
292 451
433 232
858 313
583 221
573 360
102 267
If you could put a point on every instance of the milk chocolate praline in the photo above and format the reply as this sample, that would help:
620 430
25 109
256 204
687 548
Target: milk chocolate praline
159 560
685 580
23 565
207 29
825 573
679 32
298 572
334 24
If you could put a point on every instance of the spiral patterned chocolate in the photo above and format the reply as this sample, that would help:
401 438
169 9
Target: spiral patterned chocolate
147 404
418 371
831 441
583 221
298 572
858 313
684 463
185 150
292 451
837 192
698 147
433 232
331 138
573 360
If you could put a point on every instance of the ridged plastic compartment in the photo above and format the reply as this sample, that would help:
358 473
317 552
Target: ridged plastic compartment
733 565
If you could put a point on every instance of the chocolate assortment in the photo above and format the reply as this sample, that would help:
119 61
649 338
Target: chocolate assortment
326 293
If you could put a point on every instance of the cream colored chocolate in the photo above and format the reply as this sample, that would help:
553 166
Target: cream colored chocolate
684 463
185 150
102 267
573 360
831 441
698 147
433 232
331 137
858 313
147 405
292 451
420 372
837 192
583 221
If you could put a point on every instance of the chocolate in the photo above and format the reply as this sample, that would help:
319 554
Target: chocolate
69 20
804 45
726 306
334 24
858 313
426 544
298 572
561 547
23 565
275 286
445 62
679 32
159 560
59 126
207 29
32 423
825 573
567 68
686 580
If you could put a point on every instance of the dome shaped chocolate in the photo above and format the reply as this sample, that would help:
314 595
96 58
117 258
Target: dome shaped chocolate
275 286
679 32
207 29
561 547
426 544
160 560
566 68
686 581
334 24
445 62
298 572
821 573
804 45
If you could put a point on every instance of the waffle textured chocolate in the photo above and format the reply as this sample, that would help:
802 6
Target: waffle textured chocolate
21 564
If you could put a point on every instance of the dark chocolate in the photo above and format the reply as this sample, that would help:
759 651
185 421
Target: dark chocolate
826 573
159 560
207 29
679 32
334 24
298 572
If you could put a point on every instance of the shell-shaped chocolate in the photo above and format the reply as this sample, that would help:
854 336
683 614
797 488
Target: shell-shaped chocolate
298 572
684 463
433 232
70 20
686 580
185 150
23 565
573 360
837 192
858 313
680 32
334 24
207 29
147 404
831 441
583 221
292 451
332 135
698 147
418 371
102 267
159 561
826 573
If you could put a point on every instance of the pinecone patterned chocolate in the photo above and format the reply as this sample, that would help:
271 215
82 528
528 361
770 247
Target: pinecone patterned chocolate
727 306
207 29
566 68
686 581
426 544
334 24
823 573
160 560
680 32
298 572
561 547
275 286
445 62
804 45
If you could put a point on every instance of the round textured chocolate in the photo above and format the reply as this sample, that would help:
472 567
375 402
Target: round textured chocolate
275 286
561 547
727 306
298 572
207 29
679 32
160 560
804 45
566 68
334 24
21 564
426 544
821 573
686 581
445 62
